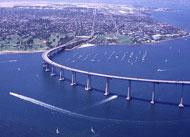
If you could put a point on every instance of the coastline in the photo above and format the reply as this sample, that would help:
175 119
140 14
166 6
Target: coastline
82 46
145 44
19 52
156 42
90 45
86 45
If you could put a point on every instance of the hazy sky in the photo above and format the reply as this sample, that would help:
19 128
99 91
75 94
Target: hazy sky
115 1
132 2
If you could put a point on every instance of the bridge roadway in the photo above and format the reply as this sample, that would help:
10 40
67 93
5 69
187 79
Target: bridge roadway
50 53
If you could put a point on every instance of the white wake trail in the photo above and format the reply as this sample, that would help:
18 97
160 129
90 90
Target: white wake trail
51 107
9 61
161 70
77 115
106 100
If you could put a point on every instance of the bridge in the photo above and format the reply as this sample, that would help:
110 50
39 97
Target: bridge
50 65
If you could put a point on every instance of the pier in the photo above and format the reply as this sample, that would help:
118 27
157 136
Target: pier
51 66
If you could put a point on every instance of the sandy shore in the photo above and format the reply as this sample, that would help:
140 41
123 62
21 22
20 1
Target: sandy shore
17 52
86 45
82 46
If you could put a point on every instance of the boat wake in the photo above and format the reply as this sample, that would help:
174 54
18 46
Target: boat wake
54 108
82 116
105 100
161 70
9 61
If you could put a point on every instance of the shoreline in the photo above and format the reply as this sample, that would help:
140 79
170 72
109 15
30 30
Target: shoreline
157 42
91 45
20 52
145 44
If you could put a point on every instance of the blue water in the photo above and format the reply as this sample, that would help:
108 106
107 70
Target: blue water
117 118
133 61
22 118
179 17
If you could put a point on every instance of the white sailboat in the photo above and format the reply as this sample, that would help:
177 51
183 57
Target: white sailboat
92 130
57 131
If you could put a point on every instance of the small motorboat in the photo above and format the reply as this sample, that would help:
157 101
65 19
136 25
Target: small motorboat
92 130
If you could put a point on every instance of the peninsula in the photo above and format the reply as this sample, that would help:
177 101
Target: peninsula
27 26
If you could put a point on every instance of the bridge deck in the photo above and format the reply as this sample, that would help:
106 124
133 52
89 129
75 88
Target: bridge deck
47 60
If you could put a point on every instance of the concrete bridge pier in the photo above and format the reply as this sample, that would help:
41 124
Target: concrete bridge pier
73 81
129 91
181 98
52 71
88 85
107 86
61 74
50 65
47 67
153 93
44 64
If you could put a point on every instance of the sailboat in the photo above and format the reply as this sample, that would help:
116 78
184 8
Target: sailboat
57 131
92 130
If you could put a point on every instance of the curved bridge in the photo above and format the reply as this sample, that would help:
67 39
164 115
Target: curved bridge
49 65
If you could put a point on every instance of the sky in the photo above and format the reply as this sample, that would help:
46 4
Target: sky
129 2
115 1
